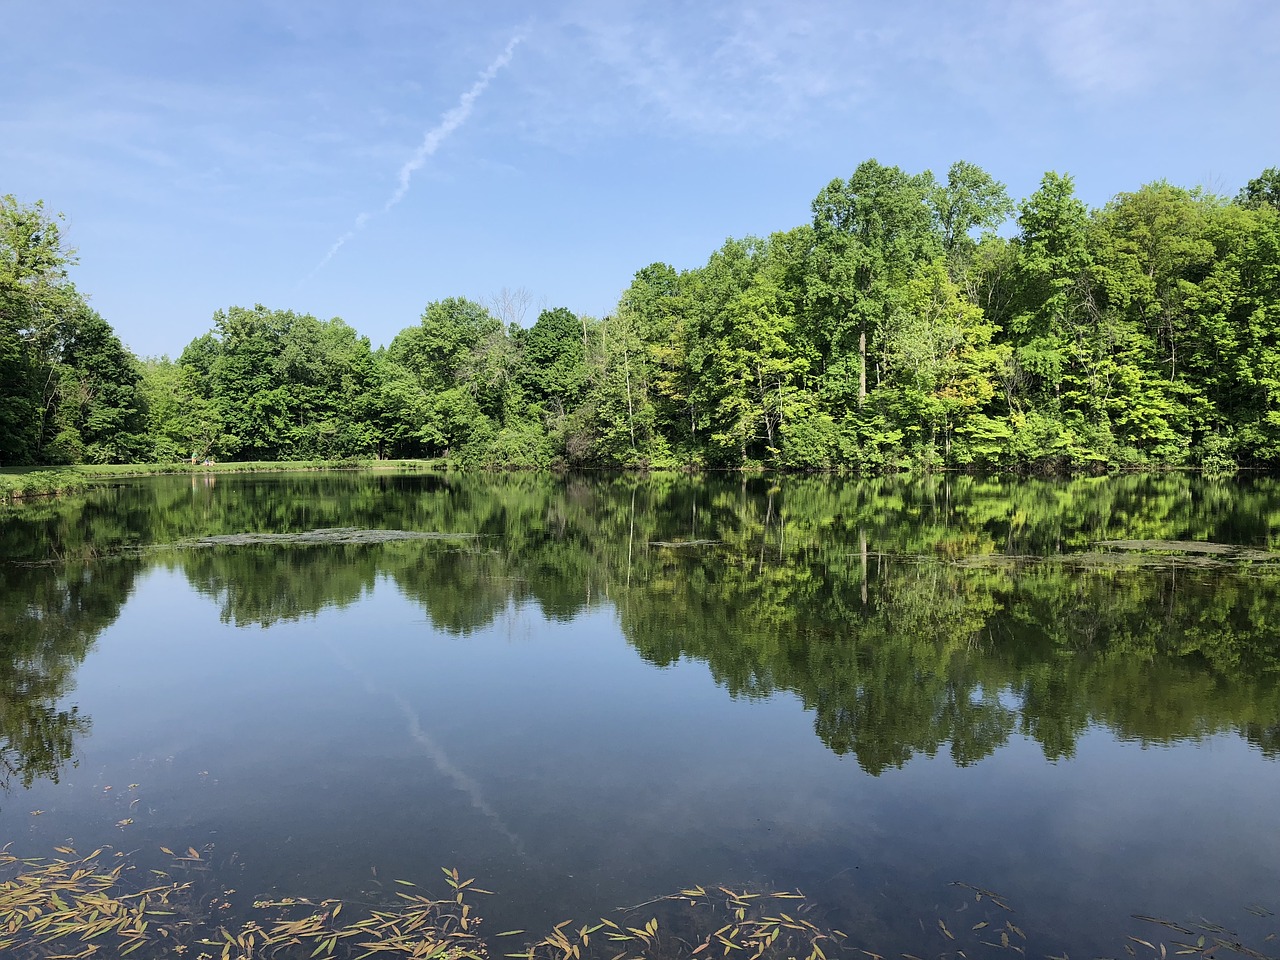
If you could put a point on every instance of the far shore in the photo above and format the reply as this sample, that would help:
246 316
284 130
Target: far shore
18 483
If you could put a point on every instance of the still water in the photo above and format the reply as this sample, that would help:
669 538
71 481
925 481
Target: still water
591 692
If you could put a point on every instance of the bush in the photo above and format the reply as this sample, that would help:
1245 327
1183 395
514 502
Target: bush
1217 454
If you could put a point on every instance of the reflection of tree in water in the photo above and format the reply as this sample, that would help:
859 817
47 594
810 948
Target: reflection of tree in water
49 618
912 646
947 656
264 584
864 599
910 616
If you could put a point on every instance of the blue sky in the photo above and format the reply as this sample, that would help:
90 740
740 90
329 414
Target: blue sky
210 154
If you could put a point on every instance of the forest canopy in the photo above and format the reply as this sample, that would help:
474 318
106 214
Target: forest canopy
915 321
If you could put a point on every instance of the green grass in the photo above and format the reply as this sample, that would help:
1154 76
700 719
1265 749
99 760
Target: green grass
15 485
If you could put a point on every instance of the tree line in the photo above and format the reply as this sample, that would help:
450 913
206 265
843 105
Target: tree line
915 321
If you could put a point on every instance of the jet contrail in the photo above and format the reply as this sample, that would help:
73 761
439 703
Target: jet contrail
431 141
449 123
459 779
439 758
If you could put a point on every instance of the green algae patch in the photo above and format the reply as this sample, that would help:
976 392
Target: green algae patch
325 536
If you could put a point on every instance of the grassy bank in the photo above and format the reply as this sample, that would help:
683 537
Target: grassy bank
18 483
21 484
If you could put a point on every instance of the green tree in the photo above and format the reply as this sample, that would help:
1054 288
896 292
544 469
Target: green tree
451 377
198 427
970 200
252 403
1262 189
1146 355
1237 308
553 361
620 406
159 388
869 234
96 409
754 368
941 365
659 302
35 296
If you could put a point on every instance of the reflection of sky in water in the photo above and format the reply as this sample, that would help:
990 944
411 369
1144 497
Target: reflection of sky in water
549 760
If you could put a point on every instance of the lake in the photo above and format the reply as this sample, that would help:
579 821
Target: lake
590 692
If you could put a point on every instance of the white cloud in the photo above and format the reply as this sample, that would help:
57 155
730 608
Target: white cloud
1107 50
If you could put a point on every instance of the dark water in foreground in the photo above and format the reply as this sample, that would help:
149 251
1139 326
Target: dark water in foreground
604 689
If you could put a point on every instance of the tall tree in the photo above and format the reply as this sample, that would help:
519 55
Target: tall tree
455 365
554 369
658 302
1262 189
252 402
970 200
35 296
96 410
1053 257
942 365
870 233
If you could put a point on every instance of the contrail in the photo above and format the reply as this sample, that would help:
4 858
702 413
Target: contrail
450 122
439 758
431 141
460 780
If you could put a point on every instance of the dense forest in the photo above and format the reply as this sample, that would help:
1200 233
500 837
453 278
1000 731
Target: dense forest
915 322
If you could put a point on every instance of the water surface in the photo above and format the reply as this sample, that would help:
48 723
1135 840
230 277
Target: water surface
595 691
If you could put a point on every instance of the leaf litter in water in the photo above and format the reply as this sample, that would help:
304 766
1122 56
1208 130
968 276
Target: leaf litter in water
104 904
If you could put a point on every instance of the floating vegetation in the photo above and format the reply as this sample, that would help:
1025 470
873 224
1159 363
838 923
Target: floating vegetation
1132 555
326 536
1203 548
996 927
104 904
715 922
73 907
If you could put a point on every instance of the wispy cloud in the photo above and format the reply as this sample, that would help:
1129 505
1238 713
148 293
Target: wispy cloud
431 142
1103 50
762 69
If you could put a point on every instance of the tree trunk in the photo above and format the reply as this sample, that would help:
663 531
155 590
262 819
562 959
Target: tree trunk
862 369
